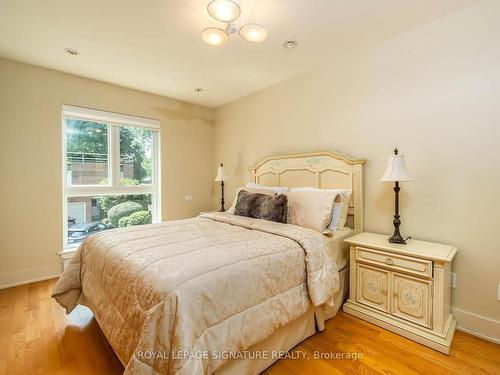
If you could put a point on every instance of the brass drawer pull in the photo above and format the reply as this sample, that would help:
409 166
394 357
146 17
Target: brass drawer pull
389 261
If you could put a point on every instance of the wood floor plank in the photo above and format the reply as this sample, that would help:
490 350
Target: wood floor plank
37 337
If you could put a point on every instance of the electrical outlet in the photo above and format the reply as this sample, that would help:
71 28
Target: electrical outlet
453 280
188 197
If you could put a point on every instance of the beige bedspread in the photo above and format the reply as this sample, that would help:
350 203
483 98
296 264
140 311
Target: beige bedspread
172 298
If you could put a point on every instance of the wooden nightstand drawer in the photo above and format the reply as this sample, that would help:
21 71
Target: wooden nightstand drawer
413 266
207 212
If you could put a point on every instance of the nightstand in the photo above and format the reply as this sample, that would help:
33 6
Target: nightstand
207 212
403 288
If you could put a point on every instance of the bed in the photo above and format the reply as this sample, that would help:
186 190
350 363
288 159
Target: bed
219 293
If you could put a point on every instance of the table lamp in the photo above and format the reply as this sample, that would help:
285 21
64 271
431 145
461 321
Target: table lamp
221 177
396 172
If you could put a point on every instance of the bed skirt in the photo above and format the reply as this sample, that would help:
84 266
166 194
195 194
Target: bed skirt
289 336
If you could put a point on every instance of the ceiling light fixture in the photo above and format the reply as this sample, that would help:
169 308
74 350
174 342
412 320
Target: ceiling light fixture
214 36
71 51
227 11
224 10
198 89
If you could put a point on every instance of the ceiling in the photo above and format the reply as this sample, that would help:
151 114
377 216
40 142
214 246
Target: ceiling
155 45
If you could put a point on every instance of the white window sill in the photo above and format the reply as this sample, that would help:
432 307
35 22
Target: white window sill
68 252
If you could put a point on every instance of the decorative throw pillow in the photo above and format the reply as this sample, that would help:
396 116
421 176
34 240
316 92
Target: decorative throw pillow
251 190
262 206
336 214
311 209
346 198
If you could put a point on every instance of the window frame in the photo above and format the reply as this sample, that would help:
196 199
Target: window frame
113 121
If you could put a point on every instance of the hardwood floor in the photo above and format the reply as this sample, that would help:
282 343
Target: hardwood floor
36 337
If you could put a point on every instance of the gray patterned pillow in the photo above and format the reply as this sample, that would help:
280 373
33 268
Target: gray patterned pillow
262 206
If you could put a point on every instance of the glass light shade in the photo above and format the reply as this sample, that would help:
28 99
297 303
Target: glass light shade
253 32
224 10
396 169
214 36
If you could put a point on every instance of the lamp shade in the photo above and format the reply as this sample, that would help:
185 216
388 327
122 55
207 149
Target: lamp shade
396 169
221 174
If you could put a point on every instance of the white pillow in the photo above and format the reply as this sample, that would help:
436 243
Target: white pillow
339 209
275 189
311 209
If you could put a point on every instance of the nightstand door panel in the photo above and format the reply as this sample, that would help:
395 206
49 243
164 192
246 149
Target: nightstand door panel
412 299
372 287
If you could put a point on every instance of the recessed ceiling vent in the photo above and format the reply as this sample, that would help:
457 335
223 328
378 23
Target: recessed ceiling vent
289 44
71 51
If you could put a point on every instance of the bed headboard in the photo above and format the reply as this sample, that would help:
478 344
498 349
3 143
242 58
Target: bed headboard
326 170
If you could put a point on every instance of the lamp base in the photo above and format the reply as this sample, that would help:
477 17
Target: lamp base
397 238
222 209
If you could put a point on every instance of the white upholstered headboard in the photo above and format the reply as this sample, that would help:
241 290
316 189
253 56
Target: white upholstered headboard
326 170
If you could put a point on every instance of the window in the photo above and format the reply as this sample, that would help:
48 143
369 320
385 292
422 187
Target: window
110 172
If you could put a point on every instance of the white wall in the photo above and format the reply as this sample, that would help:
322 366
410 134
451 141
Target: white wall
435 93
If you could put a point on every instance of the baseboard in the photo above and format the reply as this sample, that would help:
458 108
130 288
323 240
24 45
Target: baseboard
29 275
477 325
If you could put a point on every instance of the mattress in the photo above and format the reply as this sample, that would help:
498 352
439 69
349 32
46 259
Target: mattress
339 248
